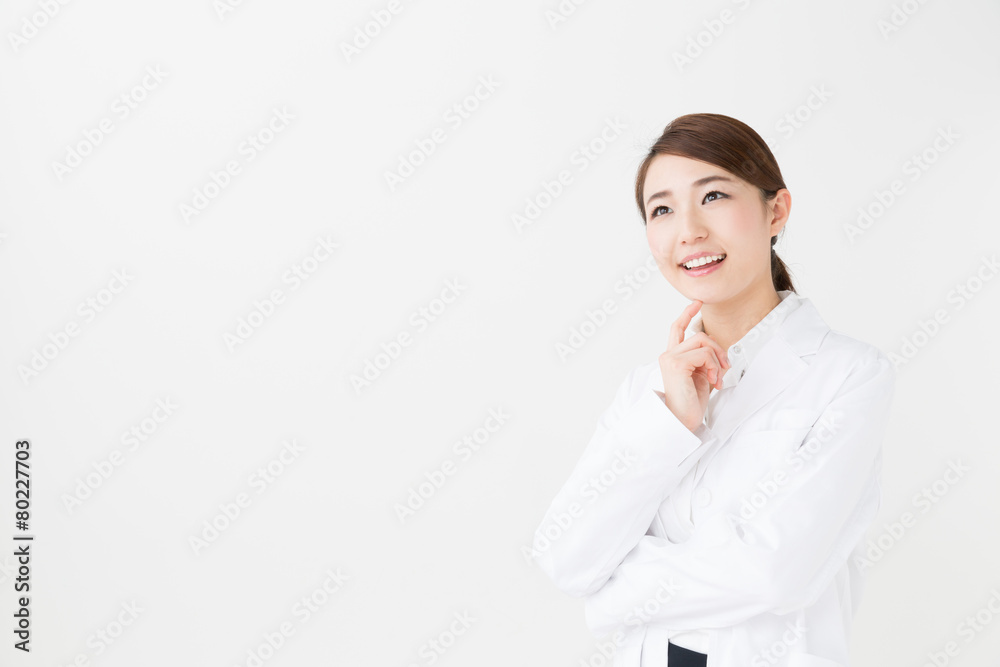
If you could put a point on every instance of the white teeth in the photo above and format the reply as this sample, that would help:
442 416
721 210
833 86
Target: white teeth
702 260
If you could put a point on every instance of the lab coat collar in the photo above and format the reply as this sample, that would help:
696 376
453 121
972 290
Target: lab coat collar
781 358
744 351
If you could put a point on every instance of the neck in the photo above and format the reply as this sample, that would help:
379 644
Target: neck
728 321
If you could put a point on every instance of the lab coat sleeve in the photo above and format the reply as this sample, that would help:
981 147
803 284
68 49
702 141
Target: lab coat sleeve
636 456
782 557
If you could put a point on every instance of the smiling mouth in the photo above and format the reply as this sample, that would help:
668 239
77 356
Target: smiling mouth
701 264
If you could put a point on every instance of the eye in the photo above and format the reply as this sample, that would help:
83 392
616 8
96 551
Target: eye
652 214
716 192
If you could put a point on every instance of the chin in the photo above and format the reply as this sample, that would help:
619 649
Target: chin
706 295
694 289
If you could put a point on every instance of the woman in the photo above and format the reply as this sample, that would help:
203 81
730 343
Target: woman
723 529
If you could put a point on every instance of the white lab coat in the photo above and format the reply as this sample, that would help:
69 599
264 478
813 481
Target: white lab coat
791 468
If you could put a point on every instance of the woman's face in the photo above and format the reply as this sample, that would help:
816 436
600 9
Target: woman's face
695 208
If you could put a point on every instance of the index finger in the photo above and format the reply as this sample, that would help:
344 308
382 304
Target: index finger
680 325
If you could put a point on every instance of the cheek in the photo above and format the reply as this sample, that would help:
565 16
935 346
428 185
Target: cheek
658 251
659 242
749 232
746 224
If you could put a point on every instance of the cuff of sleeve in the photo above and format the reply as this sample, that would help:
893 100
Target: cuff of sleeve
704 433
652 426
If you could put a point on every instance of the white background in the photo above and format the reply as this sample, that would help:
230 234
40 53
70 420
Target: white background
494 347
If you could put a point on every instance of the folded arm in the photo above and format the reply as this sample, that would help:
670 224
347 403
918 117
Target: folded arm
638 454
788 551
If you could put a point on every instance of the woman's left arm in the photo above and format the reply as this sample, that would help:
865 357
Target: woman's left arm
787 553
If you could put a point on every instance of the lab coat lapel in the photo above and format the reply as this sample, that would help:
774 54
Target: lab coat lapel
776 366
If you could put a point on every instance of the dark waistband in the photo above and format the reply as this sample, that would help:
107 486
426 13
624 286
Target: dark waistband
678 656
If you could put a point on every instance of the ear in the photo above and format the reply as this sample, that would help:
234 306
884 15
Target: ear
779 209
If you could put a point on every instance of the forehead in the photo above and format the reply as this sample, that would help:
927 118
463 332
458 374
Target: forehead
677 173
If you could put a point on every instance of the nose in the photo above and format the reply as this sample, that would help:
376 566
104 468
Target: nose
691 227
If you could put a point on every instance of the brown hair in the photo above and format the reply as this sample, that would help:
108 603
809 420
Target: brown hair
731 145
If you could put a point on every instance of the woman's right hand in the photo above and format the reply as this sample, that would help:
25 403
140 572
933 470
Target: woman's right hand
690 368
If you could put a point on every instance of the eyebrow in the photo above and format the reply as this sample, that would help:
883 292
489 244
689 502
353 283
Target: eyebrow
700 181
